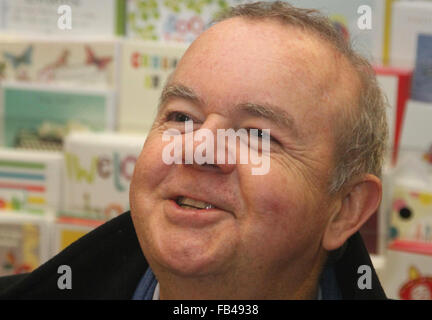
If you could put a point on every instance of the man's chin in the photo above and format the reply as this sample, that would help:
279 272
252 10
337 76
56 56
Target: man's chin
190 270
185 262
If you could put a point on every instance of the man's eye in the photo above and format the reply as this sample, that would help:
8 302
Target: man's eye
259 133
178 117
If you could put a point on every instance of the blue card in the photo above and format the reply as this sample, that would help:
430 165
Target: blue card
422 80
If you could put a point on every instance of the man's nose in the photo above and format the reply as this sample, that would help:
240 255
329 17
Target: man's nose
203 151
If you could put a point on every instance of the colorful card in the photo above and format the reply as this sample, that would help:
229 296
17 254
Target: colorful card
410 18
56 61
179 20
38 117
411 213
24 242
95 17
98 171
69 230
30 181
422 80
145 68
408 271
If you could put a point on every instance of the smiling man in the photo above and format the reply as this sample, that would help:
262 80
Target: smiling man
214 230
266 236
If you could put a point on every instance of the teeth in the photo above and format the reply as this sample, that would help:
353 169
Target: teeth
188 202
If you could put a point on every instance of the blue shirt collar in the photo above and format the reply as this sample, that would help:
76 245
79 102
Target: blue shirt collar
146 286
328 287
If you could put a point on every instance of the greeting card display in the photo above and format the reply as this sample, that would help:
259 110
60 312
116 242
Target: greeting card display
98 170
412 199
30 181
408 274
38 117
24 242
411 216
145 68
185 20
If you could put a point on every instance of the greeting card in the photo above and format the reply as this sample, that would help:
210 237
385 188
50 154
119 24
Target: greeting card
408 271
98 171
422 80
410 18
145 68
69 230
30 181
95 17
38 117
24 242
56 61
362 23
416 128
411 212
171 20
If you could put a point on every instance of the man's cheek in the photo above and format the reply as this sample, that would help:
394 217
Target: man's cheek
275 191
274 204
285 206
150 167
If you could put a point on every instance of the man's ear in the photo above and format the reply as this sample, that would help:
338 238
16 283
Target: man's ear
358 203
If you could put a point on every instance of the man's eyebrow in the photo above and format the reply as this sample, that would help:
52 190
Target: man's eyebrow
272 113
178 91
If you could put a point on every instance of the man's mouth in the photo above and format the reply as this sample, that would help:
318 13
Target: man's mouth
189 203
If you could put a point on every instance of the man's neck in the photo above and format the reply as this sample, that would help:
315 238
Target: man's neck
293 284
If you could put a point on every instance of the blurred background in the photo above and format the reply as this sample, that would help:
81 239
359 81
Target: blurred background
79 87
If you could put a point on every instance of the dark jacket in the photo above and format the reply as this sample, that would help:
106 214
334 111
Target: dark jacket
108 263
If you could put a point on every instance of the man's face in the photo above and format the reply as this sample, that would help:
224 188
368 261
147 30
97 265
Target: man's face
263 224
